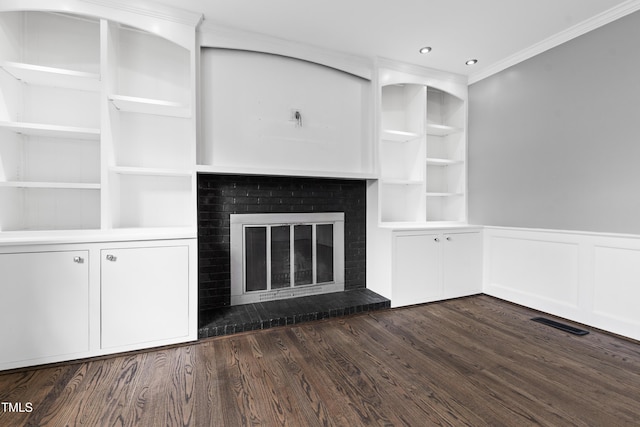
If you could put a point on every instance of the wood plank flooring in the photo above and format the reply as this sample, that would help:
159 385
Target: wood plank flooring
473 361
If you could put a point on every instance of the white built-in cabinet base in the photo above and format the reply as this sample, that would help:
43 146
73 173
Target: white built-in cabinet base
44 305
418 265
69 301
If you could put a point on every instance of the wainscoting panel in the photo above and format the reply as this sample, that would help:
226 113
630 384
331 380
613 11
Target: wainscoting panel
537 268
617 285
591 278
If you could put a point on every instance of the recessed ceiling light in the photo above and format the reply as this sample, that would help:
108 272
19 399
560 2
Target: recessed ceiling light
471 61
425 49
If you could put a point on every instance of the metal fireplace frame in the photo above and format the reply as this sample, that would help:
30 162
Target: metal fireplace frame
238 224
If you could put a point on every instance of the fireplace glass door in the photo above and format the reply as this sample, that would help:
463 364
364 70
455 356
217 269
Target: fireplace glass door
287 256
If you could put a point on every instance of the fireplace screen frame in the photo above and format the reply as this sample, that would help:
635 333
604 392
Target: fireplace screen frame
238 225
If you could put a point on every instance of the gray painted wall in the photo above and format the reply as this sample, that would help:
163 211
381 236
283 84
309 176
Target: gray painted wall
554 142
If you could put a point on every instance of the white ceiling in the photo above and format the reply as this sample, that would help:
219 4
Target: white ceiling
498 33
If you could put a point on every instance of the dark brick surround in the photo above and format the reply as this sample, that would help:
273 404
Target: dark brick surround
221 195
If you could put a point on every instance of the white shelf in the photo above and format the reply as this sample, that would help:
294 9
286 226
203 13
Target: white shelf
52 185
52 131
95 235
428 225
442 162
132 104
126 170
398 135
444 194
402 182
49 76
241 170
441 130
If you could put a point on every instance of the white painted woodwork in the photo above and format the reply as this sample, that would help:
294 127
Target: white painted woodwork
413 264
87 97
422 148
590 278
249 101
145 295
44 308
149 163
51 76
417 268
217 36
52 131
616 282
97 153
132 104
60 309
462 264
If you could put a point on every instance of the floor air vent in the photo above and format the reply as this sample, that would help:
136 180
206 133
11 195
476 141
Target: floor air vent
560 326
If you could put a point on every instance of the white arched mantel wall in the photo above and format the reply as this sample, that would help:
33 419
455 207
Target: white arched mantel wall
213 35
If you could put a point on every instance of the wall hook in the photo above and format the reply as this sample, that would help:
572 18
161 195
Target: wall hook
297 117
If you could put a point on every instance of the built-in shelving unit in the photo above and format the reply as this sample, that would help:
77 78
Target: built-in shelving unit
446 171
50 125
97 127
151 130
97 178
422 153
402 151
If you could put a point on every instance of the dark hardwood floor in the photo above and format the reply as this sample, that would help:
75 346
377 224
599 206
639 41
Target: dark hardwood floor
472 361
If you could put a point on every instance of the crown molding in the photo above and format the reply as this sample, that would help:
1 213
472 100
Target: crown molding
577 30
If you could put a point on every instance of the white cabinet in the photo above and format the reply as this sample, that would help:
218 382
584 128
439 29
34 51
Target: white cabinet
462 264
417 268
68 301
145 295
432 265
44 306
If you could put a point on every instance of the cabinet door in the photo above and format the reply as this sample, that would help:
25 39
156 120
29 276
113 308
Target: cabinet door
44 305
462 272
145 295
417 271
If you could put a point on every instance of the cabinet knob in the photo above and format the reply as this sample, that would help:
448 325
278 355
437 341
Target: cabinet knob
448 238
111 258
437 239
78 259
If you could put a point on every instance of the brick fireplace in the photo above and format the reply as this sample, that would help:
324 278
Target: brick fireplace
219 196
